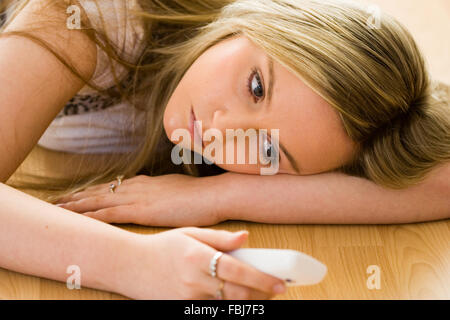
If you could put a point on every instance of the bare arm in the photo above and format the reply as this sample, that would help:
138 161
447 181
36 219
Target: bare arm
34 84
40 239
332 198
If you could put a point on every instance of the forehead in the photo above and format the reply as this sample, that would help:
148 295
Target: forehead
294 98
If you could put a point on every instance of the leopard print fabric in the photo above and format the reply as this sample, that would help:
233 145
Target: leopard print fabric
80 104
84 103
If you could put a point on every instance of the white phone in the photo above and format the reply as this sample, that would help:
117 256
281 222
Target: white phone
294 267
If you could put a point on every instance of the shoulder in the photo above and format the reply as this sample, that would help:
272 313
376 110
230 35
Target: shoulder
74 46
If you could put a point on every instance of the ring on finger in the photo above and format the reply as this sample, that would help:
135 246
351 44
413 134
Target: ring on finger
213 263
112 187
119 179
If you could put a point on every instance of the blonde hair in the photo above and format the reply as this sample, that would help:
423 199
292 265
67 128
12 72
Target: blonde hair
374 77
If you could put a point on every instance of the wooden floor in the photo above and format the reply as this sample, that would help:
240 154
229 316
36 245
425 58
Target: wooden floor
413 259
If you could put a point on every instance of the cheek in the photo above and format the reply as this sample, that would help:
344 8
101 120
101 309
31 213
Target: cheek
177 111
322 151
320 141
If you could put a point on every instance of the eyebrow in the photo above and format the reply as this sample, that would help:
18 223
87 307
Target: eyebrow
269 102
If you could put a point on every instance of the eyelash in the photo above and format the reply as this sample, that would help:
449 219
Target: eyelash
250 80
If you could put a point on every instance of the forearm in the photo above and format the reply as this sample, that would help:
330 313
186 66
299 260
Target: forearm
40 239
332 198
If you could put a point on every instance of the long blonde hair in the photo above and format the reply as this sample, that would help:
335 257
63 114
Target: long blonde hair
375 78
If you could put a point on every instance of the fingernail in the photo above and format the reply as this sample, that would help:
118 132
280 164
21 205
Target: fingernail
59 204
241 232
279 288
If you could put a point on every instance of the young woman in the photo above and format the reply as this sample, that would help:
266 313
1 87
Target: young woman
364 134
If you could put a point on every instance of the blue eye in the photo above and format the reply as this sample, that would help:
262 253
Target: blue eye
268 150
254 85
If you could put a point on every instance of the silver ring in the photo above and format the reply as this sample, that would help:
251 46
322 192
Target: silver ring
112 188
213 263
119 180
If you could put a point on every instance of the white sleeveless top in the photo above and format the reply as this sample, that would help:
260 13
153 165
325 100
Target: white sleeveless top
90 122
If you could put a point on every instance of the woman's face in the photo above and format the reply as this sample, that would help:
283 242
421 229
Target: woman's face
311 138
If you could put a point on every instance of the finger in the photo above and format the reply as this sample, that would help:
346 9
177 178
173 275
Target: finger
78 196
119 214
86 193
105 186
231 269
232 291
90 191
218 239
94 190
66 198
95 203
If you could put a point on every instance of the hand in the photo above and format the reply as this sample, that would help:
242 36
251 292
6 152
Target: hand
175 265
172 200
